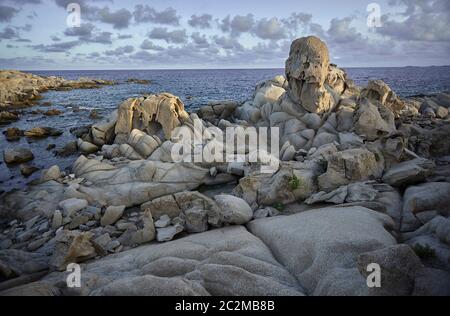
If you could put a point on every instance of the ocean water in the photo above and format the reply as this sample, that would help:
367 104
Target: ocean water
195 88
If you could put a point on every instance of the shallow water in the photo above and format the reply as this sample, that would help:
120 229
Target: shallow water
195 88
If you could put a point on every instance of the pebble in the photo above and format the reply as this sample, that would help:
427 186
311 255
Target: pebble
163 222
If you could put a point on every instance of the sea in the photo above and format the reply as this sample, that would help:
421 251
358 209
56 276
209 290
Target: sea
195 88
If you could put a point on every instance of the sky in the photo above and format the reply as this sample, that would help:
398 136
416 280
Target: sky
205 34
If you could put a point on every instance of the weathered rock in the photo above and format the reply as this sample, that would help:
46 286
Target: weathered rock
427 197
53 173
196 220
112 215
144 144
39 132
399 266
162 222
409 172
27 169
147 233
86 147
234 210
17 155
373 120
72 206
165 205
306 70
57 219
381 92
319 245
348 166
72 247
13 134
137 182
168 233
103 132
150 114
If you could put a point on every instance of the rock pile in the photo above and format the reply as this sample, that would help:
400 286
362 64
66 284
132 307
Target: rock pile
364 177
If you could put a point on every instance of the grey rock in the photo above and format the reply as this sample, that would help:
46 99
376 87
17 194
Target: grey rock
112 215
399 267
168 233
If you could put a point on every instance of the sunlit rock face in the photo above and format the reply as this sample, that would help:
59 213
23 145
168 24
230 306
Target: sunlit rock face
306 71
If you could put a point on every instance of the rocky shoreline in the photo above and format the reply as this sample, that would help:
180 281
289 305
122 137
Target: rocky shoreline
363 177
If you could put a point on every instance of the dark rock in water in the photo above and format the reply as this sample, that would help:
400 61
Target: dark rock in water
79 132
93 115
27 170
70 149
8 117
17 155
53 112
48 103
39 132
51 146
138 81
13 134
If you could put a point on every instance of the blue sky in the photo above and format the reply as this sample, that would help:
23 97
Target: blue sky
157 34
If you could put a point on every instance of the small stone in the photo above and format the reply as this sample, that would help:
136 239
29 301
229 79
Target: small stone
163 221
30 223
57 219
53 173
27 169
32 246
213 171
112 245
112 215
73 205
168 233
78 220
103 240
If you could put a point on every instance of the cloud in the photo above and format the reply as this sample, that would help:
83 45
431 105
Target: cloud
421 21
227 42
271 29
238 24
149 45
85 30
199 40
176 36
124 36
8 33
120 51
88 33
201 21
119 19
7 13
56 47
146 14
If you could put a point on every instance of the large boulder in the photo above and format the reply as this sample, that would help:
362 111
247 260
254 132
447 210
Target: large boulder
320 247
381 92
153 114
348 166
373 120
306 71
17 155
432 196
409 172
228 261
137 182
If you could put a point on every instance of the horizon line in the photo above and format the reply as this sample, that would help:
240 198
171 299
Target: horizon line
232 68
